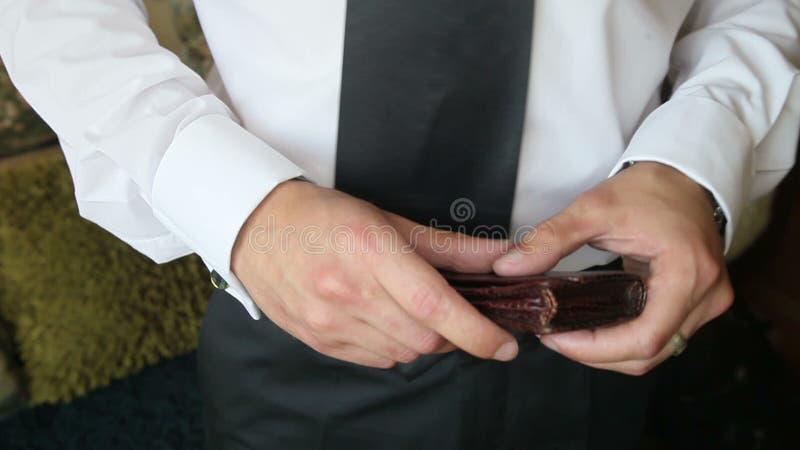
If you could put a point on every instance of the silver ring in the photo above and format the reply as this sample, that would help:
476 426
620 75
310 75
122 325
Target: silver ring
678 342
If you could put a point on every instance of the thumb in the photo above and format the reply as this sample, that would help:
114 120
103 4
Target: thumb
548 242
450 250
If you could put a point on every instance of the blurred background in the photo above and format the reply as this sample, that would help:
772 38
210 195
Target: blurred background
96 341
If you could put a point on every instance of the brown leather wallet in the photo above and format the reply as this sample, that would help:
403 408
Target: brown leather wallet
554 302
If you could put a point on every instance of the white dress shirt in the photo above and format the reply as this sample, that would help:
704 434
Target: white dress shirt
174 165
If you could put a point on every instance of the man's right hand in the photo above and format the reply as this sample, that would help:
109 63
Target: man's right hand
336 272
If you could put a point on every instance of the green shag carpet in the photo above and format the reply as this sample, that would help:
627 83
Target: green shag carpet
84 308
20 128
78 307
157 409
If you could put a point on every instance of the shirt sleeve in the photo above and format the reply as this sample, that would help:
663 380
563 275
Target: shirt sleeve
731 123
156 158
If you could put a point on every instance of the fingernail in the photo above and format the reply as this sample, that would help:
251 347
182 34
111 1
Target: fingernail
549 343
507 351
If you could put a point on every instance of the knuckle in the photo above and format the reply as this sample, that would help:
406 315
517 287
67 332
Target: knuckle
429 342
427 303
456 263
725 301
320 321
367 293
639 369
325 287
336 289
329 285
594 199
326 349
546 231
651 345
728 295
405 355
362 218
545 241
709 269
384 364
373 236
320 346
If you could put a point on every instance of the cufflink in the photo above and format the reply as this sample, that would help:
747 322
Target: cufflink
720 220
217 281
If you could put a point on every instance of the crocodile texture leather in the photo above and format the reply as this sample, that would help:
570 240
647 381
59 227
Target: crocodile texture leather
554 302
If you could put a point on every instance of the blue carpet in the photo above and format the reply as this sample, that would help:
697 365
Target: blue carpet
158 409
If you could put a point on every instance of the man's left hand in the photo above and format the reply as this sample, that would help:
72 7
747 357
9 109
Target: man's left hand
662 222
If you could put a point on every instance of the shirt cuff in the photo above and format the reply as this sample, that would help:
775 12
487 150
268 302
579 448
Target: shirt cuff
210 179
706 142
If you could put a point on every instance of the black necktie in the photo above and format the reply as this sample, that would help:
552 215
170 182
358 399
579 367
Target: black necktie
432 107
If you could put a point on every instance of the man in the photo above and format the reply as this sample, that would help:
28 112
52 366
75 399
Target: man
528 112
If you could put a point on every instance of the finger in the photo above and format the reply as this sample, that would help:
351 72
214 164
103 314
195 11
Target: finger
669 303
394 321
425 295
550 241
336 347
273 306
384 314
449 250
365 336
367 301
637 265
278 315
358 355
640 367
446 347
715 303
